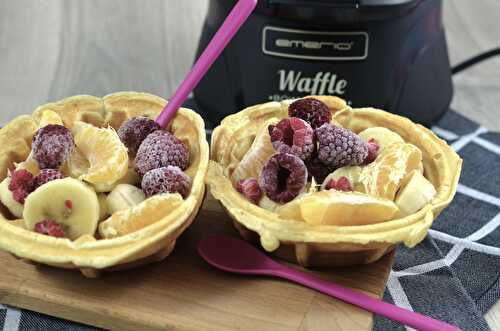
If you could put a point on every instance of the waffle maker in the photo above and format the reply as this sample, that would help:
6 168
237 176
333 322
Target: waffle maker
389 54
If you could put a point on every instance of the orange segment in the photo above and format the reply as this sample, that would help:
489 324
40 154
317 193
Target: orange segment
50 117
382 177
339 208
258 154
106 155
135 218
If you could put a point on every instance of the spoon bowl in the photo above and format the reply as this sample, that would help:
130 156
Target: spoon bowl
237 256
234 255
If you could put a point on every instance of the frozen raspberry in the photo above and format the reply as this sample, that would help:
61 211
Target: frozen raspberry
21 179
20 195
341 184
283 177
169 179
373 149
50 228
316 169
133 132
340 147
310 110
45 176
21 185
52 145
293 136
250 189
161 149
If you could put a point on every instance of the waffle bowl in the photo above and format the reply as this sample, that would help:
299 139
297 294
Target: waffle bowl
328 245
151 242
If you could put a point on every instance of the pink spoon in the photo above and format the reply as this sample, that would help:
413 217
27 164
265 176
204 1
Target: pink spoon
235 255
226 32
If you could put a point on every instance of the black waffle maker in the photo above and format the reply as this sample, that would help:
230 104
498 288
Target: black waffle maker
389 54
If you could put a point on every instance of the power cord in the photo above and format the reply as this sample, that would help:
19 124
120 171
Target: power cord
475 60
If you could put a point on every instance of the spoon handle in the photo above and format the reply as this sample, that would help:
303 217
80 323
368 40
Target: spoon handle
222 37
377 306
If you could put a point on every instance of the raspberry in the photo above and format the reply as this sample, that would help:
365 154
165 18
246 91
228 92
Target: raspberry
169 179
52 145
21 185
373 149
340 147
45 176
293 136
20 195
250 189
310 110
21 179
283 177
341 184
133 132
161 149
50 228
316 169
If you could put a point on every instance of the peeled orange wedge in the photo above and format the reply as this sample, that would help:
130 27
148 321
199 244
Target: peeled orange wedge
339 208
107 156
50 117
383 177
350 172
77 164
258 154
383 136
132 219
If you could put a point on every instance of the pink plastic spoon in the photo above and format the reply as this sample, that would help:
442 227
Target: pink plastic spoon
235 255
231 25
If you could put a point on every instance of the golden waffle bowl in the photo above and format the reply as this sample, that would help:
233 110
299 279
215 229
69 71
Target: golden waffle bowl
328 245
148 244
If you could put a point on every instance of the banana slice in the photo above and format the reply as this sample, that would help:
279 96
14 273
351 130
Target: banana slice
351 172
383 136
67 201
415 193
8 200
124 196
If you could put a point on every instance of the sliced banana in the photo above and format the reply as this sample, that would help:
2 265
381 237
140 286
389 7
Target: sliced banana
124 196
415 193
383 136
8 199
67 201
351 172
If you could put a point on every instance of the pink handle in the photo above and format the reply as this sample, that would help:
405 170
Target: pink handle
406 317
231 25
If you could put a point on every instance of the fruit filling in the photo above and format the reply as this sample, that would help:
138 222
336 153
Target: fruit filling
78 181
52 145
373 175
133 132
161 149
50 228
283 177
293 136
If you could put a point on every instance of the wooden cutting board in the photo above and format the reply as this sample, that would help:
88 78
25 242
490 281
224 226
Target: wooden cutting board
185 293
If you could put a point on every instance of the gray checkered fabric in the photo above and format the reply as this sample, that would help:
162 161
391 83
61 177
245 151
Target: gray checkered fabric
452 275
